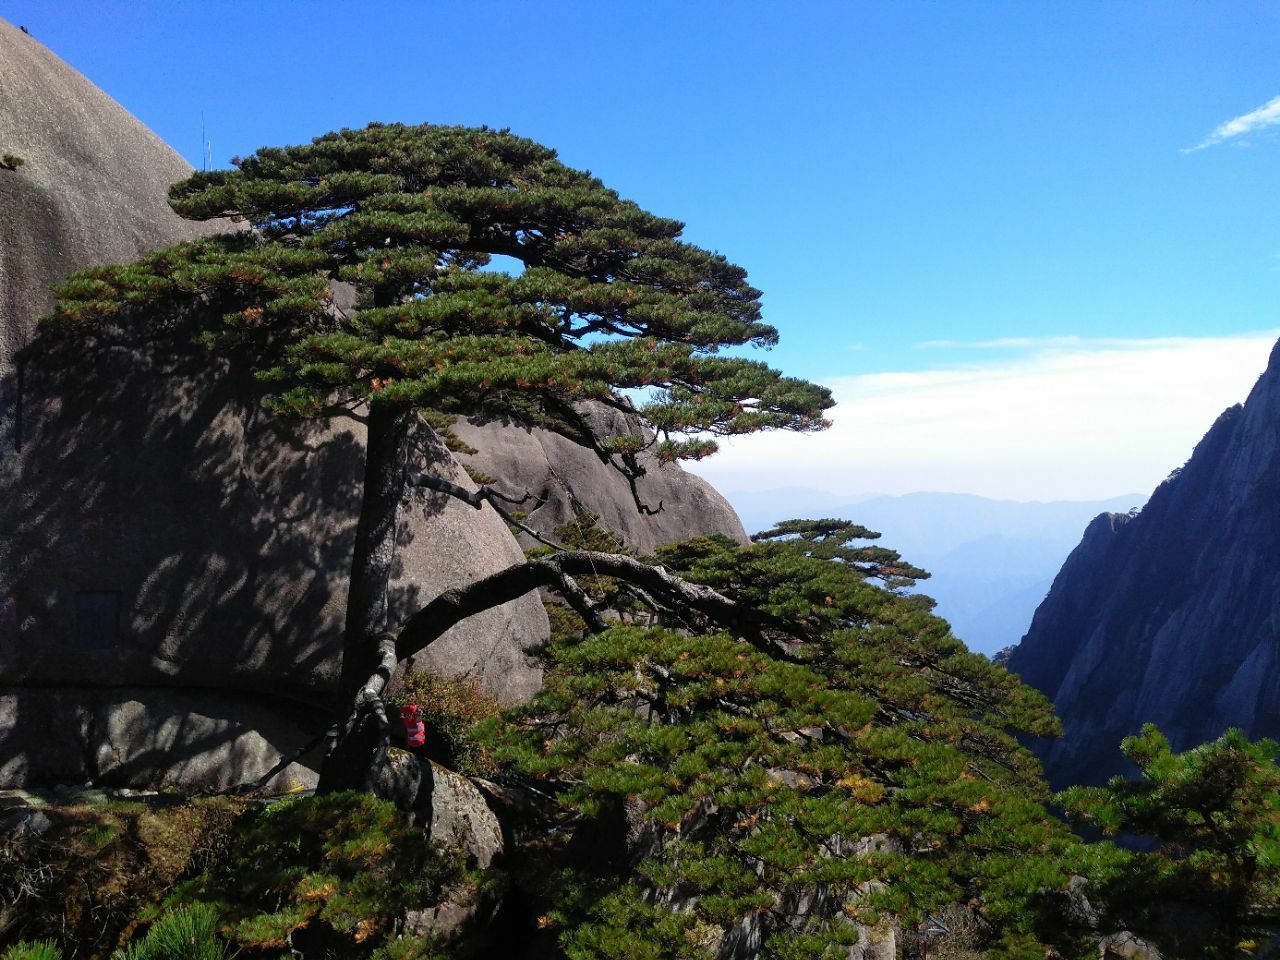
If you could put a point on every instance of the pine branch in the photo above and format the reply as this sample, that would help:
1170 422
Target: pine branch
453 606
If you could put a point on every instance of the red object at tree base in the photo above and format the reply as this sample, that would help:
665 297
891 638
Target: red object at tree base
415 733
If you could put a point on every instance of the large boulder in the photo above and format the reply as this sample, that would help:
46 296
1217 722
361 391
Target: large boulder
157 531
92 188
171 534
455 815
562 478
152 737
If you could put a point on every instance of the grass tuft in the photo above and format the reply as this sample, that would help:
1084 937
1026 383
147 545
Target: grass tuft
32 950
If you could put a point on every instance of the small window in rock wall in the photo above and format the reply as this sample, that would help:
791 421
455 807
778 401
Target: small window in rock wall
97 619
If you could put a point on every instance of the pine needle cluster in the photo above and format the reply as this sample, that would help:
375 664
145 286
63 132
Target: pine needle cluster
487 278
1207 881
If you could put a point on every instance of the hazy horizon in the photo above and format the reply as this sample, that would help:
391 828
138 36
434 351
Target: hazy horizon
730 492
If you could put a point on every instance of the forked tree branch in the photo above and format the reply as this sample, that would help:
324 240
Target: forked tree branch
478 498
475 498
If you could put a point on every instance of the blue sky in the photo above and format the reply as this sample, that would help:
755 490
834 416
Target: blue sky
987 191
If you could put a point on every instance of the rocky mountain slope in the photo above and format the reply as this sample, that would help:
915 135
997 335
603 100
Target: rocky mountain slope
1172 615
171 603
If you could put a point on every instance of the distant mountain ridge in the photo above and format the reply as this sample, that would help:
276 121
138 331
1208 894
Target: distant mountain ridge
992 561
1173 615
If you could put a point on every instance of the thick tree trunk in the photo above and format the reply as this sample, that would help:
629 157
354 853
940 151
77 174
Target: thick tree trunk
350 762
375 544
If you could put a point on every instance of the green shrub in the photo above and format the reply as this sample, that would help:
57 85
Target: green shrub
188 933
341 861
86 879
1207 884
33 950
409 948
452 711
10 162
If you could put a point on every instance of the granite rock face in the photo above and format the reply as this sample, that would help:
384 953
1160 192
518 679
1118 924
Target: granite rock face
171 535
150 737
157 533
454 813
92 188
161 531
564 478
1172 615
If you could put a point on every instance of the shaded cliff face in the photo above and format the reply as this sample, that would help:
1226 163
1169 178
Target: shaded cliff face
169 553
1171 616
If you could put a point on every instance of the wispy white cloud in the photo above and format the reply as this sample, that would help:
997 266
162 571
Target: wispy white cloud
1062 343
1001 343
1063 419
1267 115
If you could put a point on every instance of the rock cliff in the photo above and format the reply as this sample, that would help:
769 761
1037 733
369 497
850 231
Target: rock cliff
173 553
92 187
1171 615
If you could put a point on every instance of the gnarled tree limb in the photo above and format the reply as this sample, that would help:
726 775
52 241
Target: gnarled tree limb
479 498
453 606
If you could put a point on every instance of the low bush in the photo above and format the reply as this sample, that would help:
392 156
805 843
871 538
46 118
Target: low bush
85 879
318 876
333 872
188 933
452 711
32 950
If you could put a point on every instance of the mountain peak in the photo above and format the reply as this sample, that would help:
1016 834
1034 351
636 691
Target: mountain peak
1170 616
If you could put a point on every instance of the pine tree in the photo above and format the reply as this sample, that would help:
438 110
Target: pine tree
607 302
838 760
1208 884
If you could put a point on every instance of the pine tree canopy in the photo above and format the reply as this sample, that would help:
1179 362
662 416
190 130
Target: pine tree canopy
604 297
1208 883
835 539
866 768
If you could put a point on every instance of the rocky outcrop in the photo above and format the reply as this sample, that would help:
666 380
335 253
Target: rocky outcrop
1171 615
1126 946
91 189
160 533
455 815
564 478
